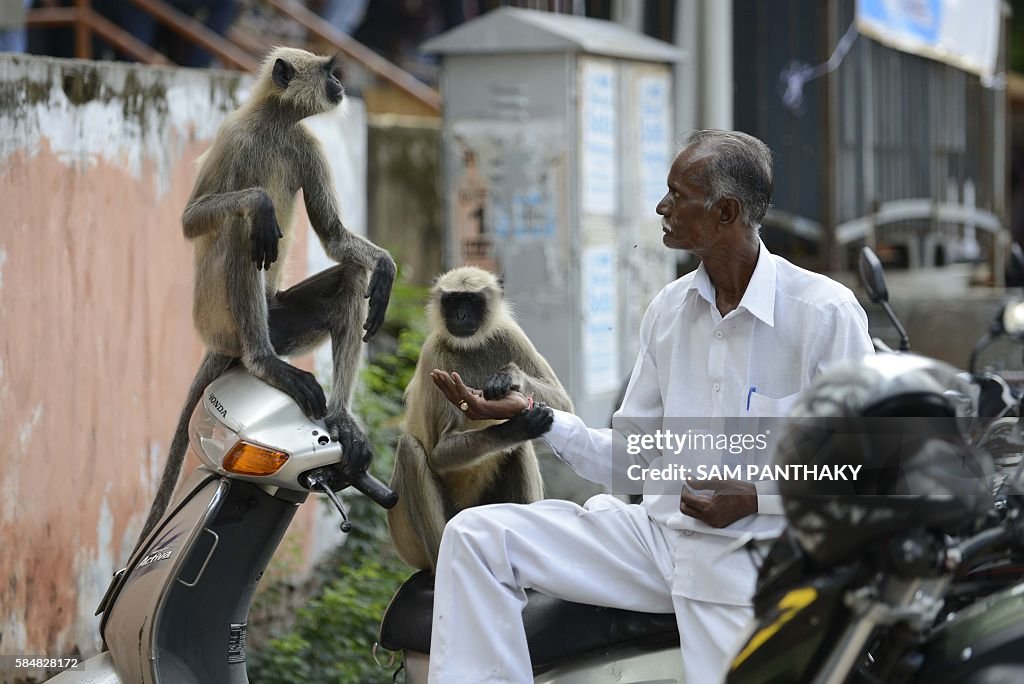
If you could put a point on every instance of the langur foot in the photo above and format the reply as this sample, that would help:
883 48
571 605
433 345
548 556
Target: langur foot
300 385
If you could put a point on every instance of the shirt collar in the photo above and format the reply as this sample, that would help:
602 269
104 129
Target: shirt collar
701 284
759 297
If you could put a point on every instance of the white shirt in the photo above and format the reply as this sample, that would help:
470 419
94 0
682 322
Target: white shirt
693 362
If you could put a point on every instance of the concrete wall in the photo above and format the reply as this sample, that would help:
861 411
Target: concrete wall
96 341
404 182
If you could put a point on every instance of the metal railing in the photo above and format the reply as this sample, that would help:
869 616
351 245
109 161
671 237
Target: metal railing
86 23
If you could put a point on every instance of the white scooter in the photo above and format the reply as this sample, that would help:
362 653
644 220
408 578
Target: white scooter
177 613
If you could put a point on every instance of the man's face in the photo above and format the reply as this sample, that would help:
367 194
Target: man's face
685 223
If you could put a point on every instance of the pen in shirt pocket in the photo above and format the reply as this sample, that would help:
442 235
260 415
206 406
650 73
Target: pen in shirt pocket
750 393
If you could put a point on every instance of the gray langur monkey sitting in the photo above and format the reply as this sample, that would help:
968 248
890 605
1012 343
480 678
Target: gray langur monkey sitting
239 221
444 461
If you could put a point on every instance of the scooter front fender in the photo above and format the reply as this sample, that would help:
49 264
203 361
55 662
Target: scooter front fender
96 670
132 623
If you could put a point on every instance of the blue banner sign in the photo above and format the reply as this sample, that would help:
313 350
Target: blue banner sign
964 33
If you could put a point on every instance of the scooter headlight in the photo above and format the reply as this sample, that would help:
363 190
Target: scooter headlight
220 448
209 437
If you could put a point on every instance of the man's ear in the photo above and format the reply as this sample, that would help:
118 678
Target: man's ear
283 73
729 210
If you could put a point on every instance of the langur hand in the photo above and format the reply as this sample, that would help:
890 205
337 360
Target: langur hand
263 236
354 444
502 382
719 503
478 407
533 423
379 294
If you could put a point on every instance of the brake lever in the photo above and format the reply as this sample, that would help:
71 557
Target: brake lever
317 480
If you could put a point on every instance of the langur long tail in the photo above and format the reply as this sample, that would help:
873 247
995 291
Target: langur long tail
417 521
211 368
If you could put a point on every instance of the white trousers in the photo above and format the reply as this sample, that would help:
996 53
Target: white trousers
608 554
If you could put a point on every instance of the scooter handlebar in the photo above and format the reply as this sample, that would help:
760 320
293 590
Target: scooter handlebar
375 489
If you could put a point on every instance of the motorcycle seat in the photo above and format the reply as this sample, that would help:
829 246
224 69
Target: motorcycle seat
555 629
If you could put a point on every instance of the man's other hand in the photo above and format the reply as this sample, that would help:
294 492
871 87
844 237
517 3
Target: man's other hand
719 503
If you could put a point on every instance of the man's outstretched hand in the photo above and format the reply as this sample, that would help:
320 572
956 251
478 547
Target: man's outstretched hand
478 408
719 503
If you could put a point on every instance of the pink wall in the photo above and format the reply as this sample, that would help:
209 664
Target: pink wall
96 341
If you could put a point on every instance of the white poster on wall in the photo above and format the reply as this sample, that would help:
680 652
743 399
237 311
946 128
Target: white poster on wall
654 110
598 157
600 305
509 186
964 33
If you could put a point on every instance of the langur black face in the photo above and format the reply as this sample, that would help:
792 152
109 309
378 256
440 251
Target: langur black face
308 84
463 312
332 84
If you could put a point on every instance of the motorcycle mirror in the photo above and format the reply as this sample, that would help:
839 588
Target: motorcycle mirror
873 276
1015 269
1013 318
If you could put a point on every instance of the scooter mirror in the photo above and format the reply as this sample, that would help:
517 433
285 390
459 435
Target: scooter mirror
873 276
1013 318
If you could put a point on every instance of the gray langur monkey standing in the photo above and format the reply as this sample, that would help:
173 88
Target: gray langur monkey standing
444 461
239 221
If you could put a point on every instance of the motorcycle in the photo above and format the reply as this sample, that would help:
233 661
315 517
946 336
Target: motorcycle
995 428
997 403
178 611
911 592
859 588
880 618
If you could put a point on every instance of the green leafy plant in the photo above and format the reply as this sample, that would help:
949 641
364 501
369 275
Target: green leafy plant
331 636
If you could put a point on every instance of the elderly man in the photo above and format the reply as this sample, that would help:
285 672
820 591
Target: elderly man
744 319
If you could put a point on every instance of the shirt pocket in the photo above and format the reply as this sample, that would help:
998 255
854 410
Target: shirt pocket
763 406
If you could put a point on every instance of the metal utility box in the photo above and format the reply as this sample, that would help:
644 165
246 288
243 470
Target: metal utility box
557 134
